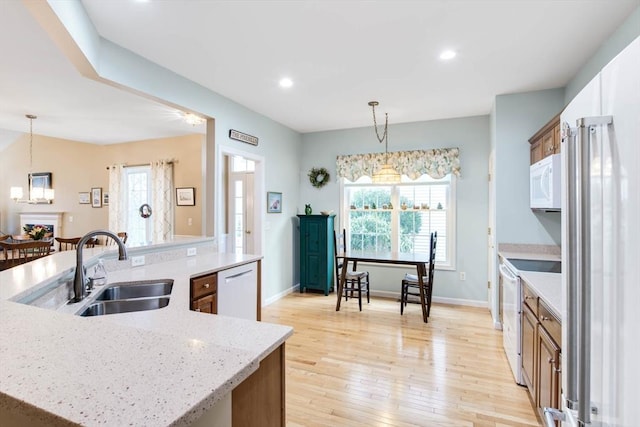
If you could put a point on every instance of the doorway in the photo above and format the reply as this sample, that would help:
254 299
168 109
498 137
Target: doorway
241 204
241 194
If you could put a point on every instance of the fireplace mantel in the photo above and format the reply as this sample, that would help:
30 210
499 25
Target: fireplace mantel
43 218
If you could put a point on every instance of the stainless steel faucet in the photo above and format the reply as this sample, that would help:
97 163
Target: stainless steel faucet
80 280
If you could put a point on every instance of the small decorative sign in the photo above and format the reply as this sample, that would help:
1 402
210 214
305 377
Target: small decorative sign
239 136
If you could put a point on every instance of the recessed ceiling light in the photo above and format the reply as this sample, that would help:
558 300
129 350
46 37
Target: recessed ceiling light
286 82
447 54
193 120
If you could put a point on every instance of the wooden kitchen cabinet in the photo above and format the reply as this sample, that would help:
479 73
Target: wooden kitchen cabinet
204 293
541 352
207 304
545 141
549 371
259 401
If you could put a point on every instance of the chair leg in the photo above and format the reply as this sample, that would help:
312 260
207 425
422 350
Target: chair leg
368 289
359 294
402 298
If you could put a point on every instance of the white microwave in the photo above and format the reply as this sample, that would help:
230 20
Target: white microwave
545 184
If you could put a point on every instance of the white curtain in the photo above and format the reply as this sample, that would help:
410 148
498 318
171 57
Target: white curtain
117 202
162 200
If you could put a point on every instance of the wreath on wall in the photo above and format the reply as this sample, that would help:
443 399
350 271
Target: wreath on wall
318 177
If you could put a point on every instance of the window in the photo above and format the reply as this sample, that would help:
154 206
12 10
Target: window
400 217
138 191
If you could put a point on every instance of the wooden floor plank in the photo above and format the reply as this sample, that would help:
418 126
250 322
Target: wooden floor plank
377 368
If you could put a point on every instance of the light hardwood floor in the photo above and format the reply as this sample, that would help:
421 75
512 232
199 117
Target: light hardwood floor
377 368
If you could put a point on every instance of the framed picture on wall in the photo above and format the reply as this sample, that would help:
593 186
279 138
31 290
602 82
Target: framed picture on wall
84 198
186 196
96 197
274 202
105 199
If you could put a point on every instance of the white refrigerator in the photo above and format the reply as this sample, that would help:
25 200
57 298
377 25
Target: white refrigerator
601 260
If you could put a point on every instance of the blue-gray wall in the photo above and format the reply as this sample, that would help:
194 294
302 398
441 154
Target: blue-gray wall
471 135
624 35
517 118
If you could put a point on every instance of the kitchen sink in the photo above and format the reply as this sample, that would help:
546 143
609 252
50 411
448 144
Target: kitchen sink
139 289
126 297
99 308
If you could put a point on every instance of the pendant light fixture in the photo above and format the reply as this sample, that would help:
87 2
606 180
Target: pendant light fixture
386 174
37 195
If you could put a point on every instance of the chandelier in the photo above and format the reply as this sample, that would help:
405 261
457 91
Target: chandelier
37 194
386 174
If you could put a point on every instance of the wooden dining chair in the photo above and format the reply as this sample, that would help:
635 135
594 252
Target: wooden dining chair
410 285
356 282
17 253
67 244
121 234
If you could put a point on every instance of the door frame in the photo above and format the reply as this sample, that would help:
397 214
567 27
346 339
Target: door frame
259 194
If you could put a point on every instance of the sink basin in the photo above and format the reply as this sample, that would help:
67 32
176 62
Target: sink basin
140 289
124 306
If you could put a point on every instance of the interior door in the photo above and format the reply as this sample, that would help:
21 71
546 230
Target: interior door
241 205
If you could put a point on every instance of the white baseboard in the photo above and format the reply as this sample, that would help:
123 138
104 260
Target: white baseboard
280 295
390 295
443 300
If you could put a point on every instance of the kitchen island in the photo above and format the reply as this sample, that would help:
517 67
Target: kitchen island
169 366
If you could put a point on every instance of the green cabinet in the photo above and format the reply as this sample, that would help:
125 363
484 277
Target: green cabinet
316 252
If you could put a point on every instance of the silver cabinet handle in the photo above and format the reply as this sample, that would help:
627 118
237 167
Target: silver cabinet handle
206 286
545 318
235 276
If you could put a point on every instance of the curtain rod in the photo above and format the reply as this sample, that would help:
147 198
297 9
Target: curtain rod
142 164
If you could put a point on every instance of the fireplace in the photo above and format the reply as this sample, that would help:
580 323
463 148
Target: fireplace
52 220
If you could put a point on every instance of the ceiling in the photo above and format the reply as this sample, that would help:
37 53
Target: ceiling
340 55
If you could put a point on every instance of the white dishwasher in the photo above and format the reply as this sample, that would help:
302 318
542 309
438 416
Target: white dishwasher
238 291
511 320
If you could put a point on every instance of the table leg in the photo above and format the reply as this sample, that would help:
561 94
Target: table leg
343 276
421 272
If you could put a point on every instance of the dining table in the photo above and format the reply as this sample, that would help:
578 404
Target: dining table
418 260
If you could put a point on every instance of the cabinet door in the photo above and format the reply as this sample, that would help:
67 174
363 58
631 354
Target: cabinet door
536 151
529 338
548 147
208 304
549 371
557 140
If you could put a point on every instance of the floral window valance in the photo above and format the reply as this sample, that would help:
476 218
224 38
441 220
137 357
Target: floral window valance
436 163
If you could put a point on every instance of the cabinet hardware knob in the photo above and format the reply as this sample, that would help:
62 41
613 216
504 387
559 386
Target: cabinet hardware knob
528 297
545 318
551 361
206 286
559 370
197 309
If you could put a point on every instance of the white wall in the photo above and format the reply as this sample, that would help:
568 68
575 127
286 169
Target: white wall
471 135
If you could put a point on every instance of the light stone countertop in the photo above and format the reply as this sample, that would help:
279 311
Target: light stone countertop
547 286
158 367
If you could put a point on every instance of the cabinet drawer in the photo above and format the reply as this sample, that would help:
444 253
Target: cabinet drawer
204 285
530 298
549 322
